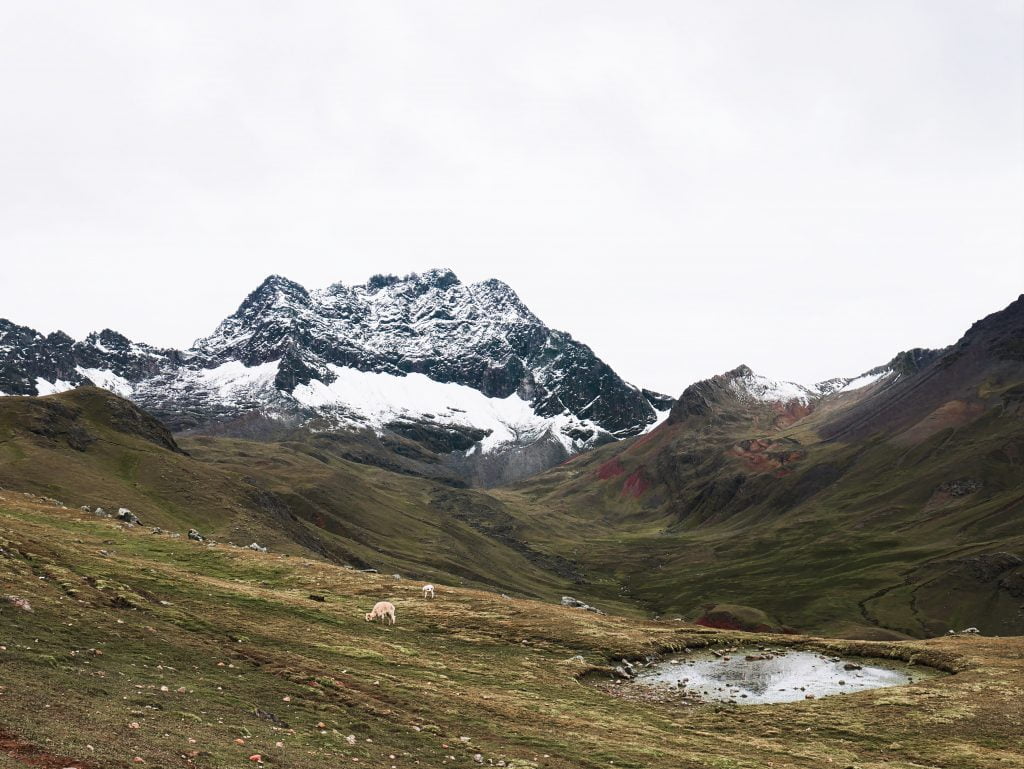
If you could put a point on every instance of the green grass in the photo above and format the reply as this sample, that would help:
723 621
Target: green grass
236 631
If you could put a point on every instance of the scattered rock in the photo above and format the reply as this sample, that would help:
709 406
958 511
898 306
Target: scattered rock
126 515
195 535
315 597
21 603
573 603
960 487
268 716
966 631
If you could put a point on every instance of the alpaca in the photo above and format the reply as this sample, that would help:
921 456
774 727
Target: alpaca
428 591
382 610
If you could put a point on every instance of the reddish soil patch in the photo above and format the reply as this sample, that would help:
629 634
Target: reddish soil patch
637 483
33 755
790 413
610 469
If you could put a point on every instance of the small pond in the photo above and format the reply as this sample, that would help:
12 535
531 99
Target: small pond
750 676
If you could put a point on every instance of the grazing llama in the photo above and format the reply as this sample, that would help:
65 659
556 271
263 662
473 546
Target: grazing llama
428 591
382 610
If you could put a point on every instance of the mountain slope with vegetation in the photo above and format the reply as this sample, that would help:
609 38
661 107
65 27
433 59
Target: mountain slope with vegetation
121 647
89 447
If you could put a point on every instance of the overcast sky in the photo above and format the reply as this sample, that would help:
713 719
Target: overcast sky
804 186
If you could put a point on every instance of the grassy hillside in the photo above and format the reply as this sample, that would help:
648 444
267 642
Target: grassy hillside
914 536
88 447
143 649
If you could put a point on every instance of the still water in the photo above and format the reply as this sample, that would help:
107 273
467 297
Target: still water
758 676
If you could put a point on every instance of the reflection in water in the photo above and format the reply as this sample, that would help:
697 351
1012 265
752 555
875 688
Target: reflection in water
754 676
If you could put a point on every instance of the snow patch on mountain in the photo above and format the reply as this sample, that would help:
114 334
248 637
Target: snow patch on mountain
375 400
108 380
661 417
767 390
864 380
52 388
233 379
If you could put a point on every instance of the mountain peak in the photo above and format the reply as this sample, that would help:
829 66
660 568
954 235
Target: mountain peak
740 385
741 371
439 277
274 285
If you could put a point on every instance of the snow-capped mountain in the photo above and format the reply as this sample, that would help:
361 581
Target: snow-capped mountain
465 369
733 394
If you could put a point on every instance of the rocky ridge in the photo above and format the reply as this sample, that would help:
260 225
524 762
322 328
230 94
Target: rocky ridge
465 369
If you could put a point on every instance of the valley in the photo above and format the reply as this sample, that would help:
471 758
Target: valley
885 507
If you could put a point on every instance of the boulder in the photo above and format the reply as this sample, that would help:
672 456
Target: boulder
574 603
126 515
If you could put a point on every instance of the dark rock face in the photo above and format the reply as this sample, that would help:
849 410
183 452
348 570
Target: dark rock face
27 356
479 335
700 398
283 337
